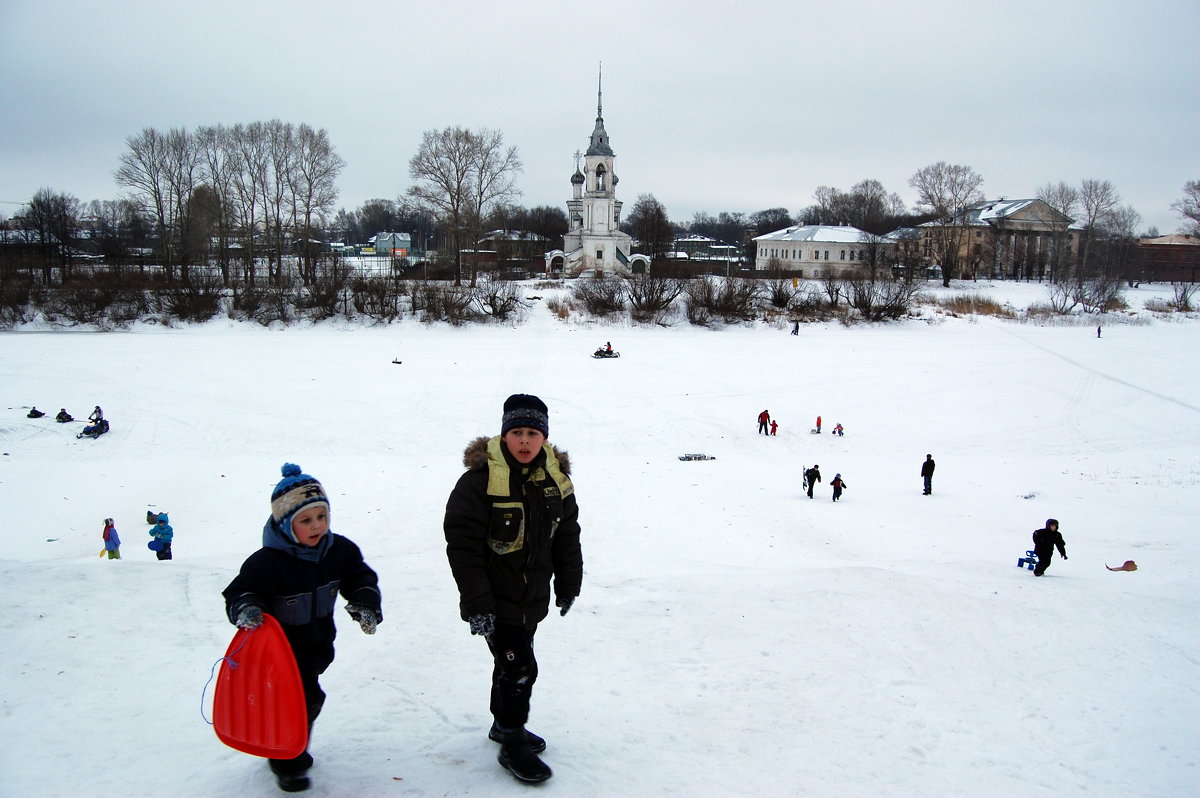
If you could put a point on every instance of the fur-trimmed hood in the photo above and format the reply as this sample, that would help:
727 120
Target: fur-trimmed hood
475 456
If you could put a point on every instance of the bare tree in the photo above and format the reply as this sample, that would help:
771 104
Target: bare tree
647 222
316 168
946 191
1096 199
54 219
462 175
495 182
143 168
1063 198
1189 208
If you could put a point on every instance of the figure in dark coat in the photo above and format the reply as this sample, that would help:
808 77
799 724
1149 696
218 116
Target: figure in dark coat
838 484
1045 540
811 477
296 576
927 473
512 529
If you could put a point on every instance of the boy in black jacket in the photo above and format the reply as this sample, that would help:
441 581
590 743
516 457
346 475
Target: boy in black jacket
1044 542
511 525
296 577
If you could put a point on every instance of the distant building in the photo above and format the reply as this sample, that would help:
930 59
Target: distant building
593 245
1168 259
813 250
514 245
395 244
1003 239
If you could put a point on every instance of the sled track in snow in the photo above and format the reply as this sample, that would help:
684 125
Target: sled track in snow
1111 378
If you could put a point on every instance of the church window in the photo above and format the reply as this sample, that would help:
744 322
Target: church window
600 175
843 255
599 256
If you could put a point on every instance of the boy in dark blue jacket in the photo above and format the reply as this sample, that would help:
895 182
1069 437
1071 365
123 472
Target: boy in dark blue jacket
296 577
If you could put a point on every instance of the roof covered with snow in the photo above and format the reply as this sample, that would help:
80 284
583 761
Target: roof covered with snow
841 234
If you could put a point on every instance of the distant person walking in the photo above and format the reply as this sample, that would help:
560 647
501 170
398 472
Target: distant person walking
927 473
818 425
795 328
774 426
112 541
811 477
838 485
1045 540
764 418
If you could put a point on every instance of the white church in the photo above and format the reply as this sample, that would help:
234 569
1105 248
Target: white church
593 245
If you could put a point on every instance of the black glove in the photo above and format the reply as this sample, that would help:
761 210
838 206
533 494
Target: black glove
1064 556
483 624
249 617
564 604
366 617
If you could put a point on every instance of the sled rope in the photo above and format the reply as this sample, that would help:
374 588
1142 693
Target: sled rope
213 674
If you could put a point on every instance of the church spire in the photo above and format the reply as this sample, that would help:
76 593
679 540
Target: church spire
599 144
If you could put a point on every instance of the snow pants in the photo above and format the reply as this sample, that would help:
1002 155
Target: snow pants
928 484
314 697
1044 555
513 673
164 553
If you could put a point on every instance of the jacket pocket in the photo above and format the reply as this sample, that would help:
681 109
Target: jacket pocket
294 610
506 533
324 598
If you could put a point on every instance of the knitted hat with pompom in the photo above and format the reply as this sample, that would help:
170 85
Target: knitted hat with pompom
295 491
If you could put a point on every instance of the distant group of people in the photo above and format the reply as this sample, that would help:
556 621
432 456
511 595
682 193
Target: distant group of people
161 535
812 477
765 425
768 426
96 421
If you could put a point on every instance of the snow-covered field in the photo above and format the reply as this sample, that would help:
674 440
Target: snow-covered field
733 637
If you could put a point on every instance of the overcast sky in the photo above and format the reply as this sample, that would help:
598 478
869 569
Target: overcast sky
711 106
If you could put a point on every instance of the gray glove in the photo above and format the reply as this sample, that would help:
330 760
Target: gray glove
564 604
366 617
483 624
249 617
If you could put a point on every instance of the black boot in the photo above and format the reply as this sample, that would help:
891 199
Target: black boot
536 744
292 774
517 757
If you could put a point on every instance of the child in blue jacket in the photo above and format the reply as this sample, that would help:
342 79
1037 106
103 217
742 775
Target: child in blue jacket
164 534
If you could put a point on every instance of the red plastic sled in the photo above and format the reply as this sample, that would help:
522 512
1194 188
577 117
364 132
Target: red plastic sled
259 705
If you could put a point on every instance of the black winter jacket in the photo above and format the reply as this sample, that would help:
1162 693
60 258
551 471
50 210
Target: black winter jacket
1045 540
299 585
510 528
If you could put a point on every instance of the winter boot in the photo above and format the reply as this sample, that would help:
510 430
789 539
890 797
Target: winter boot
536 744
292 774
293 782
517 757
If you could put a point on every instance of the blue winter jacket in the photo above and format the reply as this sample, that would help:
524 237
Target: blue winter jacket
162 531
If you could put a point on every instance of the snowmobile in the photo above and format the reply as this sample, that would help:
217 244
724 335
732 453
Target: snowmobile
94 431
602 352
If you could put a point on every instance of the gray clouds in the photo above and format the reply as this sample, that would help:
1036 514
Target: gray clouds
711 106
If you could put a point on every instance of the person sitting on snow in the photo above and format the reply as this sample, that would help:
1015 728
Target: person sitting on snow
34 413
63 416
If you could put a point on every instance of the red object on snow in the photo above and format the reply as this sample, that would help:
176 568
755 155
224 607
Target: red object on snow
259 706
